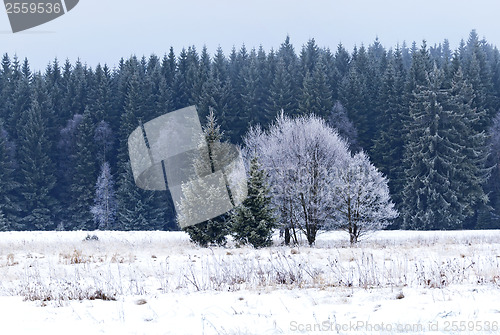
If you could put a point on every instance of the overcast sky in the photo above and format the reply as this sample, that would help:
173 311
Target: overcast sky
102 31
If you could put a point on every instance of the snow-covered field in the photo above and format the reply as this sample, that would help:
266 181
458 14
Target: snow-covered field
159 283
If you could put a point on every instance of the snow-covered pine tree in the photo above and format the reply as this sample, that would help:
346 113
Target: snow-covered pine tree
473 141
444 157
316 97
9 203
363 201
254 220
4 223
85 173
105 206
136 206
213 231
353 94
493 184
66 167
281 96
36 172
255 91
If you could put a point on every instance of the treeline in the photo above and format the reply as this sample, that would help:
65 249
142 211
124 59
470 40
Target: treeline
426 116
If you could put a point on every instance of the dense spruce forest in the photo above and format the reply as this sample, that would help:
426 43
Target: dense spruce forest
425 115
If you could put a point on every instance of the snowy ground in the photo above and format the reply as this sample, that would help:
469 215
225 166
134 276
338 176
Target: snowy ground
159 283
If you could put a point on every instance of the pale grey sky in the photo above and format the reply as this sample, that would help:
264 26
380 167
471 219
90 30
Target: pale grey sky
102 31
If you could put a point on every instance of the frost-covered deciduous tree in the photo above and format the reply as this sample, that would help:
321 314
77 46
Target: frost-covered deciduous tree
301 156
316 183
105 205
363 201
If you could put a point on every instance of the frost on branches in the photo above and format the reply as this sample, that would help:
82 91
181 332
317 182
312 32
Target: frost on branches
105 205
363 201
316 183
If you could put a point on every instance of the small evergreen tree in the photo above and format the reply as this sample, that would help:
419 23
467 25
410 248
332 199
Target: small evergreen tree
4 223
253 221
135 206
213 231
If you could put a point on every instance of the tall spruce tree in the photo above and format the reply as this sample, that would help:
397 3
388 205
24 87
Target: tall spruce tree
36 172
9 203
388 148
66 167
353 94
443 165
84 175
256 89
473 141
281 93
136 210
493 184
316 95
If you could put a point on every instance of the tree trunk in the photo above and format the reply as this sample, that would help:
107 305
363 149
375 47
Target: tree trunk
287 236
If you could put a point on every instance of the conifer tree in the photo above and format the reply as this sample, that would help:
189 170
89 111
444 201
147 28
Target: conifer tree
353 94
339 120
18 103
36 172
66 167
136 206
253 221
101 104
85 174
9 203
4 223
388 148
281 93
443 157
213 231
473 141
316 95
493 184
255 94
